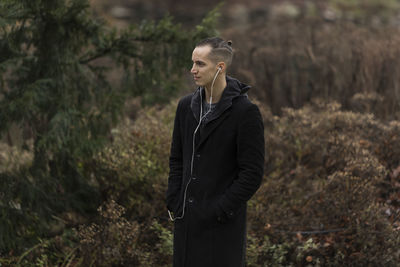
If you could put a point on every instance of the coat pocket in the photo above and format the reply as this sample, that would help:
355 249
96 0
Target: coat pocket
206 214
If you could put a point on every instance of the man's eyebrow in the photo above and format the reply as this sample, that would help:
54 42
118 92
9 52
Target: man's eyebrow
198 61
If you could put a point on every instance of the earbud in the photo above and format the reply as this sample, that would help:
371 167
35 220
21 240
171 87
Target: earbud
220 68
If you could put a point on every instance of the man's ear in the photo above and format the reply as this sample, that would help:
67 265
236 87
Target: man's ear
222 65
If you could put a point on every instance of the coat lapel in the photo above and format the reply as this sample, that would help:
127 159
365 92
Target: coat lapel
222 110
196 102
210 127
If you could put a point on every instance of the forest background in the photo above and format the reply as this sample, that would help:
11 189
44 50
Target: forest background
87 101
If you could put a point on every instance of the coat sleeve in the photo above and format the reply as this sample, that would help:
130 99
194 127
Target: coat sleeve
175 164
250 158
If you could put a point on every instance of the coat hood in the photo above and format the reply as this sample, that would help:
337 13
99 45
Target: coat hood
234 88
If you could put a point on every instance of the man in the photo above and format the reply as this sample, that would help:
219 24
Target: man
216 163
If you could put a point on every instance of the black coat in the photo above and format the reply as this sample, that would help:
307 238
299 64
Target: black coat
227 169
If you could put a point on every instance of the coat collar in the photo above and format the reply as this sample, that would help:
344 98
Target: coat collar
233 89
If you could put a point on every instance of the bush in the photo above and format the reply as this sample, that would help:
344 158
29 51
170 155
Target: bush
134 167
329 196
325 176
133 171
113 241
324 196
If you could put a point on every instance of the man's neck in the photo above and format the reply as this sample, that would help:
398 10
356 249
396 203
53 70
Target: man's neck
218 89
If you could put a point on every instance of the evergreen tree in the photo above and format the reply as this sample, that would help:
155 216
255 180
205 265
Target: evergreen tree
55 65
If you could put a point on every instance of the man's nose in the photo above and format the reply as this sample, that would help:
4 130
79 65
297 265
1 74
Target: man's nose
193 70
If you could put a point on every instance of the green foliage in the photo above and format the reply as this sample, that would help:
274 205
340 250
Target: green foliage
55 251
263 252
166 239
132 169
64 78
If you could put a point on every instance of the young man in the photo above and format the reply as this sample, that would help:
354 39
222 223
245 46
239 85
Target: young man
216 163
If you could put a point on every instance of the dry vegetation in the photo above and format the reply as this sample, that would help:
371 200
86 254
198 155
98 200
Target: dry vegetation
329 93
330 195
292 62
329 178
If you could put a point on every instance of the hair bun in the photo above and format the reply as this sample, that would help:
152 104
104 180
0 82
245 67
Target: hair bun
229 42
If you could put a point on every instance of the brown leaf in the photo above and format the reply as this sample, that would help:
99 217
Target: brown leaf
299 236
395 173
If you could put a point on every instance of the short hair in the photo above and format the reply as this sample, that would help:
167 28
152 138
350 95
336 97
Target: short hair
220 50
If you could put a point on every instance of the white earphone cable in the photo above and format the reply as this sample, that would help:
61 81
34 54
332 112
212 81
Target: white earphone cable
193 147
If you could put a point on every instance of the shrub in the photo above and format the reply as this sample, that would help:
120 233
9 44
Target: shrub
133 171
112 241
115 241
324 174
324 196
134 167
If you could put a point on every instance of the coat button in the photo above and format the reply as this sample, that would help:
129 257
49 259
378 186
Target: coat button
194 178
198 156
191 199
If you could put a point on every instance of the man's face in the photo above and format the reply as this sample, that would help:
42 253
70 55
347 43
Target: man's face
203 68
